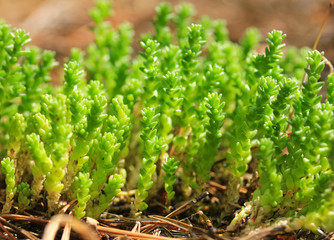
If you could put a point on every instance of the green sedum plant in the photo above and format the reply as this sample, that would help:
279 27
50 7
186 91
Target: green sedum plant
170 168
192 108
7 167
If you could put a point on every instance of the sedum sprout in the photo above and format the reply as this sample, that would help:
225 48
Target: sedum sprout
7 168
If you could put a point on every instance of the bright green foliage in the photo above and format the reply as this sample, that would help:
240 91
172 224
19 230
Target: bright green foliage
303 172
249 41
151 66
281 107
73 75
240 139
214 78
220 31
170 168
96 115
227 73
182 20
169 58
193 145
322 216
7 168
36 69
50 146
163 16
192 106
104 164
216 117
192 49
294 62
101 11
270 193
90 128
42 126
121 125
11 49
42 164
81 189
248 120
330 89
265 64
311 89
131 90
109 57
16 131
172 96
260 113
54 109
78 108
153 145
310 168
190 53
170 103
24 194
113 187
23 70
308 113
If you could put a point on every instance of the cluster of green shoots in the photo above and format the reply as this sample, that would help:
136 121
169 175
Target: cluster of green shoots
190 102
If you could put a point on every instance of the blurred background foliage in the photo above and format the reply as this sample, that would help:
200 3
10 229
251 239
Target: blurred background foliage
60 25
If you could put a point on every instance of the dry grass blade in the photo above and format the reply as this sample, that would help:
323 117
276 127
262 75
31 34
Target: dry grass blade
318 36
119 233
137 227
323 24
83 229
67 229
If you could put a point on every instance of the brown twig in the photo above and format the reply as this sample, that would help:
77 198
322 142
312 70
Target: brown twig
16 217
118 233
17 229
4 236
10 236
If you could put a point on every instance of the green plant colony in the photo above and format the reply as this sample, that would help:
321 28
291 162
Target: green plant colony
165 116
